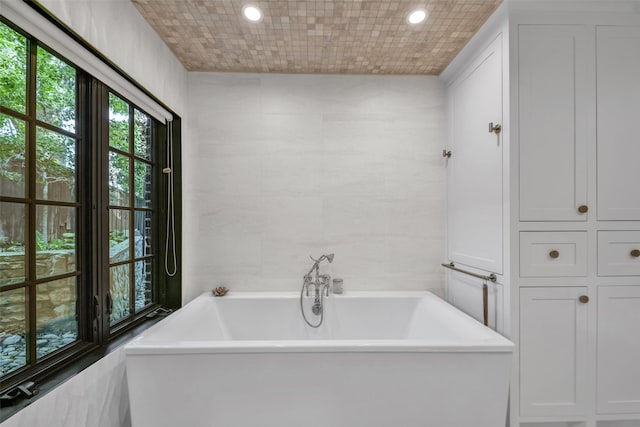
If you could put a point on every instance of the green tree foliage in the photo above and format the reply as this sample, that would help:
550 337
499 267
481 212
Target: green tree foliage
55 104
142 148
118 123
13 69
12 154
56 95
55 91
119 137
13 94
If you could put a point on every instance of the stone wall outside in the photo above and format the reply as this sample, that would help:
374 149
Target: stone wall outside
54 300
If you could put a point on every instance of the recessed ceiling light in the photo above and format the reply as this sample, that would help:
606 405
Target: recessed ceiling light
252 13
417 16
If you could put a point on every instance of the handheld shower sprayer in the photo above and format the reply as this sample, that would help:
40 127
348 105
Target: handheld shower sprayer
316 262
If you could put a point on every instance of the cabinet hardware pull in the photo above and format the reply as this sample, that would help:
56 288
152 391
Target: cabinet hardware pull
583 209
446 153
554 254
635 253
485 304
494 129
583 299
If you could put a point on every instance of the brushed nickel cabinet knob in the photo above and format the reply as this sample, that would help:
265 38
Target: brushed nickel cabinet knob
583 299
583 209
635 253
554 254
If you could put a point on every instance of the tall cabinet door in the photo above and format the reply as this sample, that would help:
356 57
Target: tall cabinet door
474 172
555 109
618 349
618 94
553 351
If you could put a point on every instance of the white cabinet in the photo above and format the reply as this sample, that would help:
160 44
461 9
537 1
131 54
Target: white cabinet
553 254
570 208
618 355
560 95
619 253
474 171
553 351
555 82
618 95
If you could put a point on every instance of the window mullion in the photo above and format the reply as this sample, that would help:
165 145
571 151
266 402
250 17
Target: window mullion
83 300
30 189
132 214
101 221
159 133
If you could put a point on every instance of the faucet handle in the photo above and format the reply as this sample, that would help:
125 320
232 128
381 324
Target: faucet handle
325 281
307 281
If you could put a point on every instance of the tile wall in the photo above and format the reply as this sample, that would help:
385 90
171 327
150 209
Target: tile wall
96 397
281 167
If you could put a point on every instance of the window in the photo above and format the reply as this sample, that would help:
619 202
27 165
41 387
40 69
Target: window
41 205
131 213
80 190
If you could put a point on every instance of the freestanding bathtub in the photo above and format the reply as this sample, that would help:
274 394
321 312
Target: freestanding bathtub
380 359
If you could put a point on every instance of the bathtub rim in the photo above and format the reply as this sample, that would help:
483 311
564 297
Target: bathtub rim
496 343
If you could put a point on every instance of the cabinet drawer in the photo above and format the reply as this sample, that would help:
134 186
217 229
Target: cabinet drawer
553 254
618 253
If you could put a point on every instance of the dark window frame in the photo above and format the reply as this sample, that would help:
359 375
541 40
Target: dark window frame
158 132
95 335
85 340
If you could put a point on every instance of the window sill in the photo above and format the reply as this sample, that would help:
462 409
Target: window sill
84 362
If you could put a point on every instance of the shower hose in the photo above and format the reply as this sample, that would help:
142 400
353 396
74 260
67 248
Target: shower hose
304 316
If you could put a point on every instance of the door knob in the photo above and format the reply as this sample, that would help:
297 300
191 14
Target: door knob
635 253
583 299
554 254
583 209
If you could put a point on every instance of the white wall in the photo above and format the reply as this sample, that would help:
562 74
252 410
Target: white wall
97 397
284 166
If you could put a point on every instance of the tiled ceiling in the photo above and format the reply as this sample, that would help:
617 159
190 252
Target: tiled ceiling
316 36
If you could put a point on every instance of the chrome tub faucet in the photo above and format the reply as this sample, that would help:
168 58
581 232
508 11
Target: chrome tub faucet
320 282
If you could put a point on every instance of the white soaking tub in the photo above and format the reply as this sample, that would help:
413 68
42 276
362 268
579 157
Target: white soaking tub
380 359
